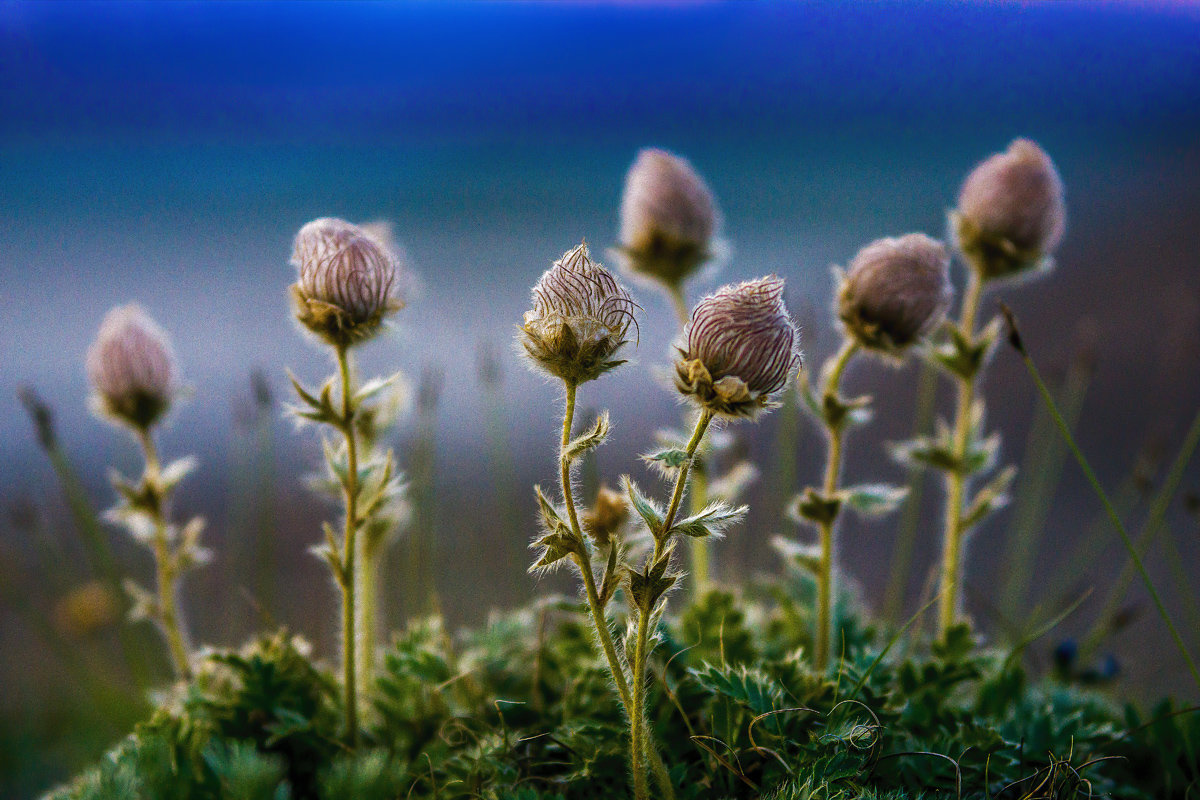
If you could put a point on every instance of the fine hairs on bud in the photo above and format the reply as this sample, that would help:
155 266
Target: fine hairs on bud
346 281
131 368
740 346
1011 214
895 292
580 318
668 218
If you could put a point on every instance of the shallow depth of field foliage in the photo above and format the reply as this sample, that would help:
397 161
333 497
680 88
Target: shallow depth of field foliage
654 680
523 708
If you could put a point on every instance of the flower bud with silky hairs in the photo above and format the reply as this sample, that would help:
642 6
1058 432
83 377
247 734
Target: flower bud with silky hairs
132 368
895 292
740 346
1011 214
580 318
346 281
668 219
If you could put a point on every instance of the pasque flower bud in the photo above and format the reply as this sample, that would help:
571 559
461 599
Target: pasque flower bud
604 519
131 367
895 292
668 218
739 348
346 281
1010 214
579 320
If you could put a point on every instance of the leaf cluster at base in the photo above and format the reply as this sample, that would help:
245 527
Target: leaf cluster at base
523 708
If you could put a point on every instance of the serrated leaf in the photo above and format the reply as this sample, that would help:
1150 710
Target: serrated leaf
710 521
874 499
751 687
992 497
646 508
594 437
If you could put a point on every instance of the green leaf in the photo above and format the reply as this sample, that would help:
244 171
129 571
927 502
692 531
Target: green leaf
710 521
174 472
645 507
992 497
668 459
751 687
594 437
813 506
550 515
374 387
874 499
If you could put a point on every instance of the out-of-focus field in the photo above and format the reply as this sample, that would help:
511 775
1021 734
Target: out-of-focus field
151 154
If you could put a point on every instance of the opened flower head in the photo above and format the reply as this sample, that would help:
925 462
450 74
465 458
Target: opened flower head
346 281
132 368
895 292
580 318
740 347
668 218
1011 214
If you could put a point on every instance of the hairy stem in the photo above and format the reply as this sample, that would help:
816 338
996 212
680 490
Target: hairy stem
833 468
599 620
640 739
956 479
698 494
349 553
165 568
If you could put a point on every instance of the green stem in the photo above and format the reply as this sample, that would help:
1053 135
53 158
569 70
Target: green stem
833 467
1154 523
640 739
956 479
1109 509
165 568
698 494
349 553
599 620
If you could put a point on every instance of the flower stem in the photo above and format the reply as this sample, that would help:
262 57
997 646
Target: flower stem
349 553
165 568
956 479
698 494
599 620
833 468
640 739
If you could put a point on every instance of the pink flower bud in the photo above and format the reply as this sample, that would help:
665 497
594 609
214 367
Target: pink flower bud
580 319
895 292
668 218
1011 213
346 281
740 347
131 367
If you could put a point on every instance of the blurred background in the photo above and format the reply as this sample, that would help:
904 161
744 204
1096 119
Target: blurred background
167 153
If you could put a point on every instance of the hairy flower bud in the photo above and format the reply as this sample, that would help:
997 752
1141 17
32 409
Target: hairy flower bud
1010 214
604 519
131 367
579 320
739 348
346 281
668 218
895 292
